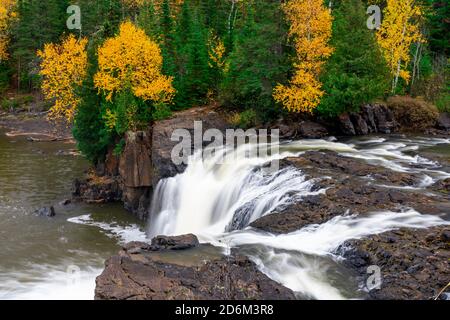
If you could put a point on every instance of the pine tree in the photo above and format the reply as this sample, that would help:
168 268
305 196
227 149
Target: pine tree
258 61
89 129
356 72
438 25
193 74
39 22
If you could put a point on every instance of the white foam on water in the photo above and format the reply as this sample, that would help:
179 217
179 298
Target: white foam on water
217 202
123 233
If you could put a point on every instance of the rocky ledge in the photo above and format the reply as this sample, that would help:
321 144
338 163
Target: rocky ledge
143 271
415 264
352 187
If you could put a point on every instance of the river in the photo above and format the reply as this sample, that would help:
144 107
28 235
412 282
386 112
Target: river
59 258
52 258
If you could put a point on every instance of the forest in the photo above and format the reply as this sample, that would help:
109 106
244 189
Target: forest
109 66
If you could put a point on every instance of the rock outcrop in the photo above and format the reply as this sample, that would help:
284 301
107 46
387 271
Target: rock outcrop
162 144
135 171
348 191
97 189
143 271
145 160
414 263
375 118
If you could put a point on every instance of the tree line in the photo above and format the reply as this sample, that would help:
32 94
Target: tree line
135 61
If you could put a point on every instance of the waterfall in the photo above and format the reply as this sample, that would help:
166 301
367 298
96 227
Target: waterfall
217 201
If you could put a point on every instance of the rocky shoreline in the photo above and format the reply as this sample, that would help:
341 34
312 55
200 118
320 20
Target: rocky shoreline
143 271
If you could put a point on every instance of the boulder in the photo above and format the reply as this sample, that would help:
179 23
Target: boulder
175 243
384 119
443 121
346 125
369 117
45 212
312 130
97 189
360 125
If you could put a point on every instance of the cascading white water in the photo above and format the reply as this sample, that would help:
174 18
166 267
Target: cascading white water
217 202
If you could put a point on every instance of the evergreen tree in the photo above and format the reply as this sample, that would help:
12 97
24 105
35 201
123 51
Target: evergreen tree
167 43
356 73
40 22
148 20
89 128
439 26
192 79
259 59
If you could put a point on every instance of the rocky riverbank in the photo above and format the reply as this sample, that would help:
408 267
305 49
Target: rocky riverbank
143 271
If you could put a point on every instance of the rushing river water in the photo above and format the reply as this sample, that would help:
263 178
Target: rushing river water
58 258
52 258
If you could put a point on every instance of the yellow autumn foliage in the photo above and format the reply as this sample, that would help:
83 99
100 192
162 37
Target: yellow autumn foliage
216 52
63 68
131 60
310 29
7 14
399 30
133 3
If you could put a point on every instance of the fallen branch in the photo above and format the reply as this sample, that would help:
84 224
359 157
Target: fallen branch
442 291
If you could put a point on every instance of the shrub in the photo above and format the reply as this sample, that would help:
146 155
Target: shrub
244 120
413 113
443 103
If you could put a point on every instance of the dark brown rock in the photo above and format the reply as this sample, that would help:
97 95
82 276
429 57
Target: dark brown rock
346 125
414 263
95 189
348 192
162 164
312 130
384 119
175 243
360 125
443 121
142 272
135 160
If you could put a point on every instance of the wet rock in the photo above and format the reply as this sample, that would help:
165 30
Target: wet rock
175 243
95 189
352 187
65 202
372 118
443 121
384 119
369 117
45 212
413 266
312 130
360 125
140 272
287 131
442 186
346 125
